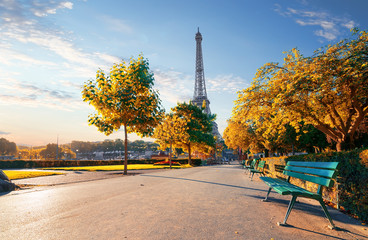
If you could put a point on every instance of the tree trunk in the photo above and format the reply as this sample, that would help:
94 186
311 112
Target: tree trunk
339 146
351 142
170 154
266 153
345 144
190 155
126 150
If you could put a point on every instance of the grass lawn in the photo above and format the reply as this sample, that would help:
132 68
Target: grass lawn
15 174
116 167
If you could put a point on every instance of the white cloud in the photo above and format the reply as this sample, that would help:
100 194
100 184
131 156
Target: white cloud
10 57
349 25
173 86
23 26
68 5
325 34
29 94
42 9
176 87
71 84
329 26
226 83
77 60
108 58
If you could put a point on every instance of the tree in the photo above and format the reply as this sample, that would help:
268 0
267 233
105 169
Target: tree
83 147
186 127
51 151
25 152
125 97
170 131
7 147
328 90
241 136
312 140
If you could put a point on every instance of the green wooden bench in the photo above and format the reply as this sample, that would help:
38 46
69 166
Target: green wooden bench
259 169
243 163
251 165
320 173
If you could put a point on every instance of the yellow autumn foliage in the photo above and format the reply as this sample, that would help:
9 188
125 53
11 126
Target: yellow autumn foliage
328 90
124 97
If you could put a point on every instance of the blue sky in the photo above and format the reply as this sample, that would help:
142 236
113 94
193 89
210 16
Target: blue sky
49 48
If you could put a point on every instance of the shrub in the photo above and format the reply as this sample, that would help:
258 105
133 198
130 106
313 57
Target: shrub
167 162
11 164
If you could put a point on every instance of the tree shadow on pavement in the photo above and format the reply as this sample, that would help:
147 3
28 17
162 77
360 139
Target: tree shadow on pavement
352 234
201 181
227 167
323 235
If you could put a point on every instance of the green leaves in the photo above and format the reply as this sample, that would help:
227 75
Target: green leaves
186 126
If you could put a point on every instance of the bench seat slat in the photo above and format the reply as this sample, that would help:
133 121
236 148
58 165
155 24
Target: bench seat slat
284 188
327 173
255 171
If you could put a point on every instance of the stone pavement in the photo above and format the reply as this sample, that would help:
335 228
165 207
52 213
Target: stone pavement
214 202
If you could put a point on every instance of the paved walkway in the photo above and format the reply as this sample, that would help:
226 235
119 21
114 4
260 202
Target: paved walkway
215 202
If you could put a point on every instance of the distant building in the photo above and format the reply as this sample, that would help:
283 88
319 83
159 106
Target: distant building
5 157
229 154
160 155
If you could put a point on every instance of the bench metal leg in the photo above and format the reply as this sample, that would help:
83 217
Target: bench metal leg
251 177
291 205
268 193
332 226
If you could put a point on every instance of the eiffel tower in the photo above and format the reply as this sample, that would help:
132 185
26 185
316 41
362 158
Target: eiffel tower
200 93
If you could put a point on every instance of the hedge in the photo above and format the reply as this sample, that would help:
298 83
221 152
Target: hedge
350 193
11 164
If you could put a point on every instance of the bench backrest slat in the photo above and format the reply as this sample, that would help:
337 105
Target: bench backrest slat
327 173
329 165
253 163
317 172
310 178
261 164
